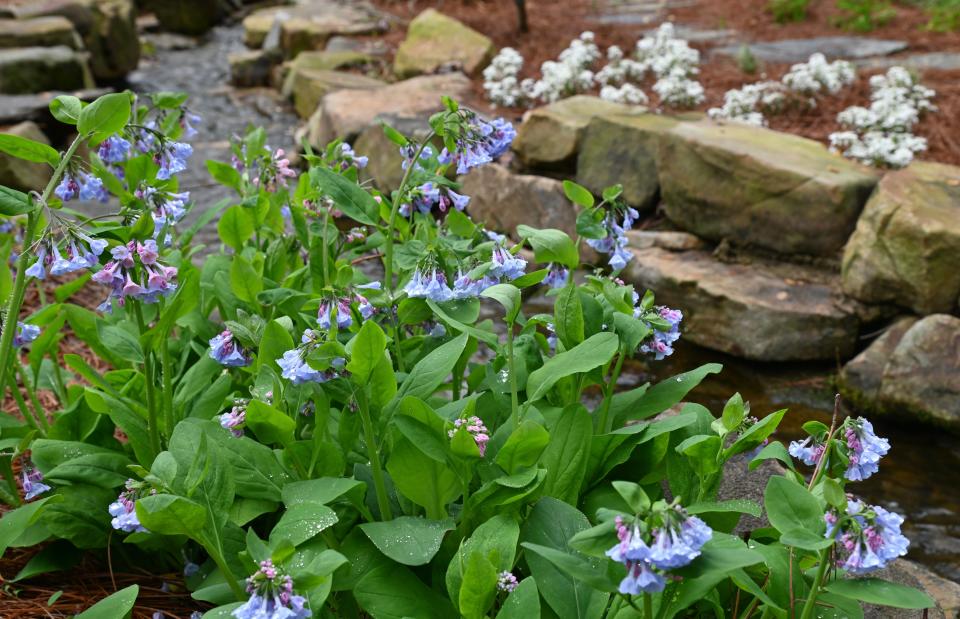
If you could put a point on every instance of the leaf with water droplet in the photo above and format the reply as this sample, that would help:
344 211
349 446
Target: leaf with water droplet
408 540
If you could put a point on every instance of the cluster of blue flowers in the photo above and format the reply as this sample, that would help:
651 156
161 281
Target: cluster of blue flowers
294 366
272 596
662 343
124 510
862 447
82 252
25 334
615 243
428 195
82 185
481 143
557 276
346 158
344 316
32 481
868 537
675 543
225 351
121 275
166 208
236 418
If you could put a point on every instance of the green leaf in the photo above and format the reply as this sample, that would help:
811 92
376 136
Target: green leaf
421 479
740 506
506 295
271 425
245 282
108 114
755 435
58 556
66 109
633 495
352 200
224 173
522 603
578 194
116 606
882 592
120 341
733 415
551 245
366 351
168 514
495 539
430 372
568 313
106 470
567 453
236 226
791 506
275 341
664 394
479 587
580 568
391 591
13 202
589 354
523 447
408 540
301 522
16 521
28 150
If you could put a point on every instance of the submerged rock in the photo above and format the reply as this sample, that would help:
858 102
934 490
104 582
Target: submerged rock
28 70
550 136
20 174
763 311
435 40
906 246
759 187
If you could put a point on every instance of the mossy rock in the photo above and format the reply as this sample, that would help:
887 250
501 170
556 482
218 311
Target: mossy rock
39 32
906 246
188 16
311 85
761 188
320 61
36 69
435 40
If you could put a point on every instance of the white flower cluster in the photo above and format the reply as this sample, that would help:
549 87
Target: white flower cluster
882 134
501 79
748 104
817 75
567 75
671 60
675 64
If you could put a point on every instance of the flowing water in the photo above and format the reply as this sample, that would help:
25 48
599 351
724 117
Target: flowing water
919 478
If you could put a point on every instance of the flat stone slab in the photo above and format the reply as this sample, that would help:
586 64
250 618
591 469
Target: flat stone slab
15 108
799 50
435 41
764 311
39 32
309 25
309 86
697 35
941 61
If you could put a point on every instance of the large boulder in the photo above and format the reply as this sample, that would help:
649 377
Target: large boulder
623 149
550 136
504 200
308 25
39 32
188 16
322 61
345 113
436 41
108 29
922 374
861 377
384 166
20 174
759 187
35 69
311 85
906 246
763 311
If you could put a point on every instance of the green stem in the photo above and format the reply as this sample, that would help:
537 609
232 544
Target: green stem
514 400
326 250
394 209
228 575
373 453
37 407
808 606
20 283
152 421
609 388
647 606
167 369
22 405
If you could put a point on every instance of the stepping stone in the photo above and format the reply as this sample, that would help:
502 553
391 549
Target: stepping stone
764 311
695 35
941 61
28 70
16 108
322 61
435 41
310 24
39 32
309 86
800 50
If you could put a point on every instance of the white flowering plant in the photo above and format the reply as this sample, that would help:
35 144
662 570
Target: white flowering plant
317 419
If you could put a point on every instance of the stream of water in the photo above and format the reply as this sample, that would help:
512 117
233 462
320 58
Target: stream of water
919 478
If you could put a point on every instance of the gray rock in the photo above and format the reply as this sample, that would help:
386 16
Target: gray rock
624 150
309 86
906 243
940 61
371 47
503 200
758 187
35 69
16 108
169 41
696 35
664 239
799 50
20 174
39 32
435 40
922 375
861 376
345 113
320 60
764 311
252 68
188 16
550 136
310 24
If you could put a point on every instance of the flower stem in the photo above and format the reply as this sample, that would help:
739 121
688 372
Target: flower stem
603 422
152 421
514 400
383 501
20 283
647 606
807 611
394 208
32 392
167 369
326 250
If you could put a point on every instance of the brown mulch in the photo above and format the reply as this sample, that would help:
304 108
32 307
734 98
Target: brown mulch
553 24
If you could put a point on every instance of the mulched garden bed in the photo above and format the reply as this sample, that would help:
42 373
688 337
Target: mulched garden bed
554 23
